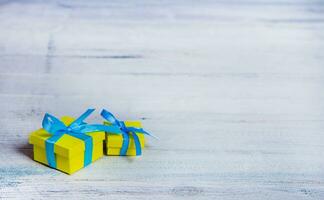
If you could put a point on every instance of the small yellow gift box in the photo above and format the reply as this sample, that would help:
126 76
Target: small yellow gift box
69 151
114 142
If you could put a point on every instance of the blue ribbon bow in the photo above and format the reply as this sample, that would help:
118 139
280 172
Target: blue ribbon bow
77 129
126 131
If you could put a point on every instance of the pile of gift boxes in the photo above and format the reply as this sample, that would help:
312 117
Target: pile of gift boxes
69 144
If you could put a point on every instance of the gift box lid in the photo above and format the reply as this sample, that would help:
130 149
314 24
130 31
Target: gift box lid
116 140
67 145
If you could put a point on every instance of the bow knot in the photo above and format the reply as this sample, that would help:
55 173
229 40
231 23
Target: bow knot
123 127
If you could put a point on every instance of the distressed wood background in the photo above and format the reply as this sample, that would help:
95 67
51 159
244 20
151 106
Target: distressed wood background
233 89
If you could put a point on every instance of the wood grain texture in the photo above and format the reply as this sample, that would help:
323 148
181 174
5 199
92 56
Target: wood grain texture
233 89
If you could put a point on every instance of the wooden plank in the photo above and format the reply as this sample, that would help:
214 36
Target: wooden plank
231 88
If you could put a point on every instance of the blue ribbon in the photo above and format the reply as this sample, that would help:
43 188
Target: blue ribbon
77 129
126 131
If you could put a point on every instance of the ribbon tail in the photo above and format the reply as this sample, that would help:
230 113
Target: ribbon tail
82 117
149 134
137 144
123 150
140 130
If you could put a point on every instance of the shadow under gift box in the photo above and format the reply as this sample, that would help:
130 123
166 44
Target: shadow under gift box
68 150
114 142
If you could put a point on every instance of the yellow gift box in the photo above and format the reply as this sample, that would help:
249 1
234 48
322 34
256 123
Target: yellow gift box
68 150
114 142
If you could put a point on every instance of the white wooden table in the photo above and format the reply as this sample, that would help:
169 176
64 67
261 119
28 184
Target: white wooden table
233 89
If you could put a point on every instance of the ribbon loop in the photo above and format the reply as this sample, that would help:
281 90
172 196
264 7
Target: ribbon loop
109 117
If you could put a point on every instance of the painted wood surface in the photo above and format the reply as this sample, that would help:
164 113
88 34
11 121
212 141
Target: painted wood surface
233 89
